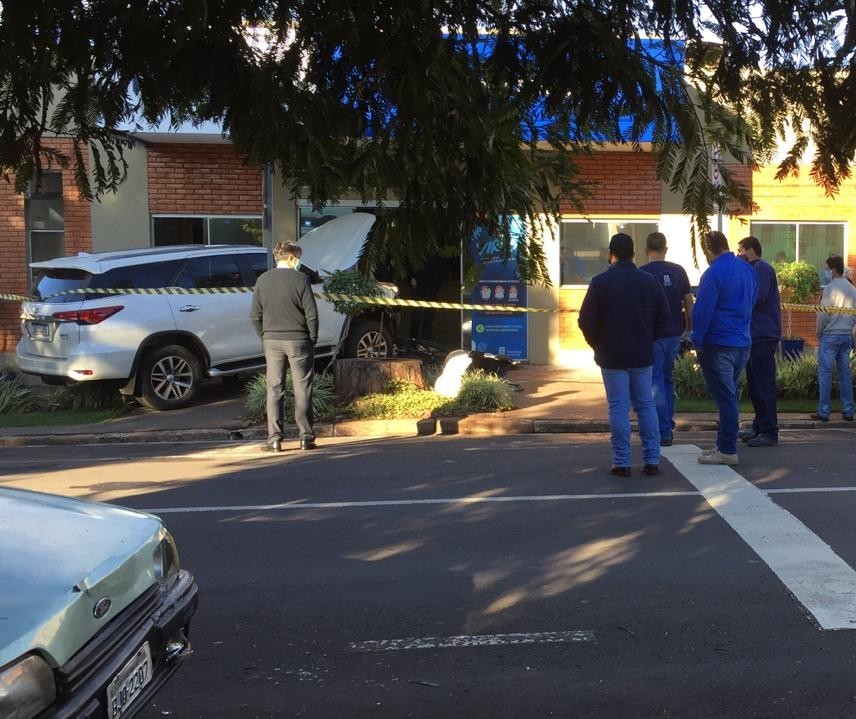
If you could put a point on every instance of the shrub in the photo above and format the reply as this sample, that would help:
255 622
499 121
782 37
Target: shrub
323 396
797 376
87 396
15 396
399 399
482 392
351 282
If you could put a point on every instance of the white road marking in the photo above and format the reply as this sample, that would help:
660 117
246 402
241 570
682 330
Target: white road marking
476 640
411 502
820 580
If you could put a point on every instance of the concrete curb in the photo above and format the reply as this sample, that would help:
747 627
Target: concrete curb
479 425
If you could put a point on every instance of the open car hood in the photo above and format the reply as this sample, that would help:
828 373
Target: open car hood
337 244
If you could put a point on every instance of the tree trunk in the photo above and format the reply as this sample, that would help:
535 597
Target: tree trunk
358 377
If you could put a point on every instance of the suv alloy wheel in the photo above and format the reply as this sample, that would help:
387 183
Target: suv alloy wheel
169 377
368 339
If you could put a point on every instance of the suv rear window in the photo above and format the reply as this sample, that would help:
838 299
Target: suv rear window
147 276
53 280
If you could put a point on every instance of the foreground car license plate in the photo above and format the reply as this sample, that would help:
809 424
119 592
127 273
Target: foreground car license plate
128 684
39 330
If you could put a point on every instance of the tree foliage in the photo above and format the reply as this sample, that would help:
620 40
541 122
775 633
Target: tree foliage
401 99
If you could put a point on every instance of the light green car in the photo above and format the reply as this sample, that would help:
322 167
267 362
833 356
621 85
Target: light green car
94 610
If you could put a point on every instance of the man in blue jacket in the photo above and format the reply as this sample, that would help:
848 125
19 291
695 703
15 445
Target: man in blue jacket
766 331
721 318
622 314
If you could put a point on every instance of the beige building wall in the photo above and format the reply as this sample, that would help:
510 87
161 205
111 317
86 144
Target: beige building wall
120 220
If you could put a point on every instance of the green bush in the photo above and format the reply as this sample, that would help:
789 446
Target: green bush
796 377
482 392
87 396
15 396
799 282
399 399
323 397
351 282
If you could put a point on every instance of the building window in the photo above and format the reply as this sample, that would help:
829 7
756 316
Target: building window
308 219
45 216
811 242
584 246
197 230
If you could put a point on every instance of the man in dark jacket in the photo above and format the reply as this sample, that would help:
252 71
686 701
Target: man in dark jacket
622 314
766 331
285 316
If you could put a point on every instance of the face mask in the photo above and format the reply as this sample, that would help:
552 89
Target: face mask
297 265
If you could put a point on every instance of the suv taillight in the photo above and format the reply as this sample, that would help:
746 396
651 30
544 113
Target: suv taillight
88 317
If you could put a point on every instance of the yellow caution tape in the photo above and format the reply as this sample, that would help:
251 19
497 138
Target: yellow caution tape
361 299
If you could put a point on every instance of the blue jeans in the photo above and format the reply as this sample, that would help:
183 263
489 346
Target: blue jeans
721 367
834 350
626 387
665 353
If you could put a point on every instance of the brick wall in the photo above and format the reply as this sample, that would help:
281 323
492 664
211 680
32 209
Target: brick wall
625 184
13 242
190 179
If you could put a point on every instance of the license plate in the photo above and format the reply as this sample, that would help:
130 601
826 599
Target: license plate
128 684
40 330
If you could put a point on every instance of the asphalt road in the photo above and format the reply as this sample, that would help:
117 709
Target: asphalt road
497 577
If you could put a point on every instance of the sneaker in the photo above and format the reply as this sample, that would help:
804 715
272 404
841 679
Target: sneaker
665 441
717 457
847 417
619 471
819 417
746 434
706 452
275 446
762 440
652 470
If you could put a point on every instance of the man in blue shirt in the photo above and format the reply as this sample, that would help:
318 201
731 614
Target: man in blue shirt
675 283
766 331
721 318
622 314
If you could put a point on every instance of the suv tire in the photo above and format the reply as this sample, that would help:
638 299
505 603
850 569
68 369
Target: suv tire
368 339
169 377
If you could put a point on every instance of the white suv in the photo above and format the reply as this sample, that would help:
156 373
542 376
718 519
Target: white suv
160 348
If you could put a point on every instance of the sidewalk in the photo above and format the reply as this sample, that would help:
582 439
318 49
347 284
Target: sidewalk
550 400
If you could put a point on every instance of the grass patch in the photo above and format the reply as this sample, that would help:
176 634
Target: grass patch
47 419
798 406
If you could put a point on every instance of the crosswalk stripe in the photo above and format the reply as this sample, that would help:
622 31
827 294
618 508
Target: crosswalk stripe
819 579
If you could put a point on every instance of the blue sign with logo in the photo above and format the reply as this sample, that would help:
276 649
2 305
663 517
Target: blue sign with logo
493 331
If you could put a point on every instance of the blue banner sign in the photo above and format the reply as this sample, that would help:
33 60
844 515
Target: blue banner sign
495 332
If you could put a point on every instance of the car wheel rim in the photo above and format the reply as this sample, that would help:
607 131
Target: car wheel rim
372 345
172 378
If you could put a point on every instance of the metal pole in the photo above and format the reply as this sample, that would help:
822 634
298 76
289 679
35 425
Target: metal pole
267 206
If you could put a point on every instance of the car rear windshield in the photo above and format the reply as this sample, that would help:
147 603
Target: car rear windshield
54 280
145 276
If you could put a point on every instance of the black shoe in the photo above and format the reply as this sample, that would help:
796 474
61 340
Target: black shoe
819 417
665 441
746 434
307 443
762 440
275 446
652 470
847 417
620 471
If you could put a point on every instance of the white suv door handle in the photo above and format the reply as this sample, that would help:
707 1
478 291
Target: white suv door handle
188 308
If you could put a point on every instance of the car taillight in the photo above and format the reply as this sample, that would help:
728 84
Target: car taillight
88 317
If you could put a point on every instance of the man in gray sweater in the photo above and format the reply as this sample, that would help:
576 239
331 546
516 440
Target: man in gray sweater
285 316
835 341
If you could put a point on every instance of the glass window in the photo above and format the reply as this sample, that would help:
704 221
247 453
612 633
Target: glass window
214 271
584 247
235 231
811 242
52 280
309 219
45 220
178 231
149 275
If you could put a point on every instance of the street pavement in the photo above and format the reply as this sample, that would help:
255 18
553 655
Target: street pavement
508 576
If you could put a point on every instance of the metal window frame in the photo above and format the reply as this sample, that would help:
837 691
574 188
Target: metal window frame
189 216
797 223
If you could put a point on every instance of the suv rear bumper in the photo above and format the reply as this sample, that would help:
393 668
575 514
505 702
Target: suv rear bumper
99 363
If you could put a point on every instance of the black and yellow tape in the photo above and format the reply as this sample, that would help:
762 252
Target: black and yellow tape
361 299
